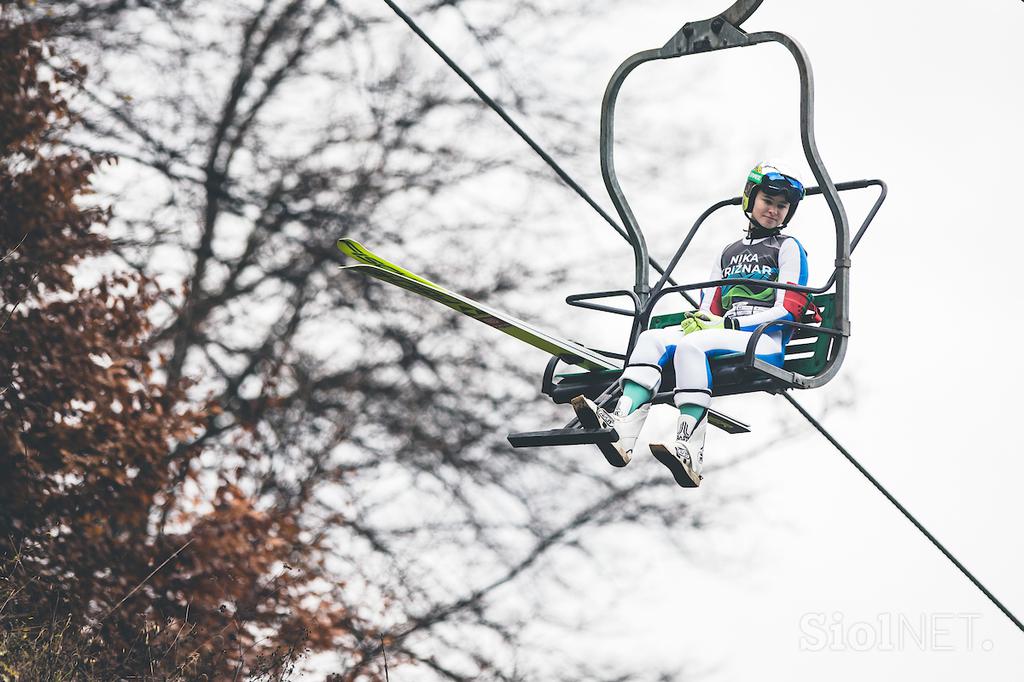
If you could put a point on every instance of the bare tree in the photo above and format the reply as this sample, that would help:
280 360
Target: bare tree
251 136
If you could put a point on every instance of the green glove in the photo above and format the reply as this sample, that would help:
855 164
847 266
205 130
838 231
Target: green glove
699 320
689 324
706 320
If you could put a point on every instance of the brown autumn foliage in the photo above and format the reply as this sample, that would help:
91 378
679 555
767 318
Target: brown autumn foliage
109 568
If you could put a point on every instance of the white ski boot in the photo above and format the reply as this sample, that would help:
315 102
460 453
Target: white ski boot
684 456
628 427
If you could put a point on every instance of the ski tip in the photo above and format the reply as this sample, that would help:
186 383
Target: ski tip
347 246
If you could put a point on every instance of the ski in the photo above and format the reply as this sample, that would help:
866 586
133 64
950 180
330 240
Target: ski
565 350
375 266
572 353
353 249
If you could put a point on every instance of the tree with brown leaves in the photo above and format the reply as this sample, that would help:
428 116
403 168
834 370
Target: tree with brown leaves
109 568
359 433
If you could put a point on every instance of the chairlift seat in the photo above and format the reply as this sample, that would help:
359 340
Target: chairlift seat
807 354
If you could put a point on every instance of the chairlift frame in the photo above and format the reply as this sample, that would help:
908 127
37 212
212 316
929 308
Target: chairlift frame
749 373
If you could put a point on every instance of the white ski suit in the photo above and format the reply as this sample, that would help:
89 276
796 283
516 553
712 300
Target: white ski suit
776 258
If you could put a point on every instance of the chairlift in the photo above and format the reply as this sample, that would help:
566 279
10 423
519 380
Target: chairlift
815 351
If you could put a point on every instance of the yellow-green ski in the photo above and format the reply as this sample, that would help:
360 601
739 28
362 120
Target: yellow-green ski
566 350
570 352
353 249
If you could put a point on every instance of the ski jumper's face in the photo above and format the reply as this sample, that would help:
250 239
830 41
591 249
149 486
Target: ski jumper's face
770 211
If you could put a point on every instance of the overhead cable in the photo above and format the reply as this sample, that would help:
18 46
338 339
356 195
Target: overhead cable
864 472
498 109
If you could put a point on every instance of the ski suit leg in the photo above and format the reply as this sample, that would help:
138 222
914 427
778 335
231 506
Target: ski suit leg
653 349
693 373
689 354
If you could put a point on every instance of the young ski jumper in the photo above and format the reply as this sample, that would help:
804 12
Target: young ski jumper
727 317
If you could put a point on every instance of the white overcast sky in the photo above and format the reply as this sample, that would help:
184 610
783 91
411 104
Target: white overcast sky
817 576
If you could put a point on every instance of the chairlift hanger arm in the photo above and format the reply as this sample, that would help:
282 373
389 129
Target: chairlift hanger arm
690 35
740 11
734 16
718 33
693 38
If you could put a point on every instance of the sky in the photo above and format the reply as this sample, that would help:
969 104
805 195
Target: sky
816 575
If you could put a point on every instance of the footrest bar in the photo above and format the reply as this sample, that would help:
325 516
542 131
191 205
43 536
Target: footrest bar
533 439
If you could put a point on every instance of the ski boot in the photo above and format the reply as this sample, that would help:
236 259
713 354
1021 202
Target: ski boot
684 456
628 427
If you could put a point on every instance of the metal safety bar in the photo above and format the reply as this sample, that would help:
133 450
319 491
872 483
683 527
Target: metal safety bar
736 201
582 300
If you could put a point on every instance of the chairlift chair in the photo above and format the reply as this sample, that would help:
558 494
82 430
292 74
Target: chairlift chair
815 351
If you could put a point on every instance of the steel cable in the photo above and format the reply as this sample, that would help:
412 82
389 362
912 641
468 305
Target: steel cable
498 109
917 524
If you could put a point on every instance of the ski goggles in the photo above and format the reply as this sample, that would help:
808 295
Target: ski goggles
777 183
